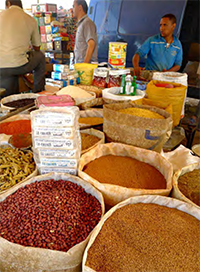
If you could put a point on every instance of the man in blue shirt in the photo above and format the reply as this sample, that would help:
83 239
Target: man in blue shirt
164 51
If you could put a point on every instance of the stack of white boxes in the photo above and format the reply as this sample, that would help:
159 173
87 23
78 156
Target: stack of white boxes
62 76
56 139
61 72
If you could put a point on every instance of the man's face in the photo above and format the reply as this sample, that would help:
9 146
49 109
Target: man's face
7 4
75 9
166 27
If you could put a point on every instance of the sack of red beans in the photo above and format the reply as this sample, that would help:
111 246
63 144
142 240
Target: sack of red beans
100 77
46 223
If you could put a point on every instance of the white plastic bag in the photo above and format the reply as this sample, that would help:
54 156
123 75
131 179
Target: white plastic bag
180 157
113 94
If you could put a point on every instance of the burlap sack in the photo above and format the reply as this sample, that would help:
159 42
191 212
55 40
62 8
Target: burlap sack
17 258
90 113
134 130
176 193
96 133
160 200
113 194
92 88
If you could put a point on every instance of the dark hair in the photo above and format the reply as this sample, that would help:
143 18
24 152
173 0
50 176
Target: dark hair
15 3
171 17
83 4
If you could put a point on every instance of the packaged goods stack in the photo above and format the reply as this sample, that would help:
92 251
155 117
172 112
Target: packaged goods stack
60 42
44 15
62 76
54 36
71 26
56 136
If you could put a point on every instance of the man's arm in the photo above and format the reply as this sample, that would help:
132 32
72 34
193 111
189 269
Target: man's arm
35 37
36 48
141 52
137 68
90 50
175 68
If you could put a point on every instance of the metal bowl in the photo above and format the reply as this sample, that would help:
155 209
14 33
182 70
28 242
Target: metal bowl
196 149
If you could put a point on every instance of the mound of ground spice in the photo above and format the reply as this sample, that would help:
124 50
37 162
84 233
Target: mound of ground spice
126 172
15 127
88 141
189 185
146 237
91 120
22 140
142 113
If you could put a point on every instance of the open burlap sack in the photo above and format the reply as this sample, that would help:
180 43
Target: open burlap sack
90 113
134 130
91 88
113 194
176 193
99 134
160 200
17 258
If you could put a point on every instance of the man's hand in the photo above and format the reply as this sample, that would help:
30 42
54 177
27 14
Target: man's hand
137 68
137 71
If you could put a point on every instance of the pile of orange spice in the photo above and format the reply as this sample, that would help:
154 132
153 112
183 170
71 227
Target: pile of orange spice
15 127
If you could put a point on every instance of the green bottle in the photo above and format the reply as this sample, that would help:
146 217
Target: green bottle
133 86
123 85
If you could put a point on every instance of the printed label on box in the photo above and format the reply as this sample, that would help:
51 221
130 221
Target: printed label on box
53 119
47 170
55 132
58 153
71 163
54 143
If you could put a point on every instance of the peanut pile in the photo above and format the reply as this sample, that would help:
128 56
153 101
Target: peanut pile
49 214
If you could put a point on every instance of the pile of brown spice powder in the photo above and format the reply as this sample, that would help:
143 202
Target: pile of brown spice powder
88 141
189 185
126 172
146 237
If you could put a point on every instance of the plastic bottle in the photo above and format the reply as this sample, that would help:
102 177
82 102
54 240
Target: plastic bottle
123 85
128 84
133 86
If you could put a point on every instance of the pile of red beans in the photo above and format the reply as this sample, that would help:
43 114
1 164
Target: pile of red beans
49 214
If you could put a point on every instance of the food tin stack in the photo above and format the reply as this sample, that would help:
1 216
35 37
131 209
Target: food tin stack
56 139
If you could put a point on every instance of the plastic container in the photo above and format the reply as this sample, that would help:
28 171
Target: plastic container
117 54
